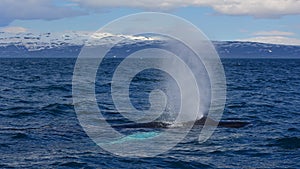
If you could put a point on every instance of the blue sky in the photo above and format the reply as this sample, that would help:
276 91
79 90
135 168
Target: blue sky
275 21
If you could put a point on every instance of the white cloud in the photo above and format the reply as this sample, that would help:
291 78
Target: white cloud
33 9
274 40
273 33
256 8
259 8
14 29
46 9
274 37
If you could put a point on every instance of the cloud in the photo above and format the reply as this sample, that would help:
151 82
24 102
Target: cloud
273 33
259 8
274 40
273 37
145 4
52 9
33 9
14 29
255 8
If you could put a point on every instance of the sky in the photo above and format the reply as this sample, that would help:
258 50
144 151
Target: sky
270 21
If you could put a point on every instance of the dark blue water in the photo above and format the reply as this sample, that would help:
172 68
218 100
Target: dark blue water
39 128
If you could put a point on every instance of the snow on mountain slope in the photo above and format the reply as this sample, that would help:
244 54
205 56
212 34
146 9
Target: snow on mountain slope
40 41
63 44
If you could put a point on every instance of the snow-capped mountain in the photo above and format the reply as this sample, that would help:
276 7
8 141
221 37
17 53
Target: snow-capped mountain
69 44
41 41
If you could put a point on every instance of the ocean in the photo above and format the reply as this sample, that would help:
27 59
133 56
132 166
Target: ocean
39 127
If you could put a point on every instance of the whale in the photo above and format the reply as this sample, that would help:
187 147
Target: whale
200 122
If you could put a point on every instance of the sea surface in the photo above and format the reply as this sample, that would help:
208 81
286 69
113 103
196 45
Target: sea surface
39 127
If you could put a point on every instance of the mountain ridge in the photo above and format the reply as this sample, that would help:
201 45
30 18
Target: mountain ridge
69 44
